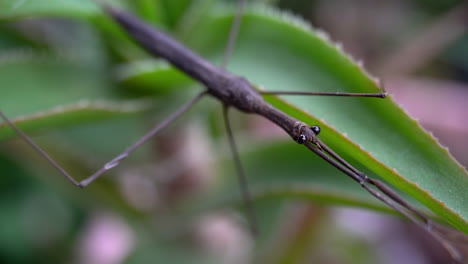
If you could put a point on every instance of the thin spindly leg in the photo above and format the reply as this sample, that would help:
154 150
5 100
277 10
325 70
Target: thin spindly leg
378 95
384 194
241 174
233 33
378 184
382 94
243 183
115 161
199 69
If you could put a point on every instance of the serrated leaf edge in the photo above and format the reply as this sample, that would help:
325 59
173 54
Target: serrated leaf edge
101 105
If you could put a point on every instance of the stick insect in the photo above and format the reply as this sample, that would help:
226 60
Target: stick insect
235 92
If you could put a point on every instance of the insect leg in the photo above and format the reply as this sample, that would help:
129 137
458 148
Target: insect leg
382 94
233 33
37 148
115 161
241 174
385 194
377 95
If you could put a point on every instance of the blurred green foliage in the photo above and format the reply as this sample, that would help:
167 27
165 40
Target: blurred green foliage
75 82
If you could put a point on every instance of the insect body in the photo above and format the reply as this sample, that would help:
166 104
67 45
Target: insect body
234 92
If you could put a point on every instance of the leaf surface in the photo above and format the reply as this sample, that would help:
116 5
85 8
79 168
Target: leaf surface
280 52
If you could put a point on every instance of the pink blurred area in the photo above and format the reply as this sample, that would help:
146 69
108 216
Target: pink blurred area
107 239
409 51
440 106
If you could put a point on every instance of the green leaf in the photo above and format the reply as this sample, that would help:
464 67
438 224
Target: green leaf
38 80
152 76
44 91
150 10
22 8
74 114
280 52
279 170
174 10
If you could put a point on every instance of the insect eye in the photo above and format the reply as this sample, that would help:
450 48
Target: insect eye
301 139
315 129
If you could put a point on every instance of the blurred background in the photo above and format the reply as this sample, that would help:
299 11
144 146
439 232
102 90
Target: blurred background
163 205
